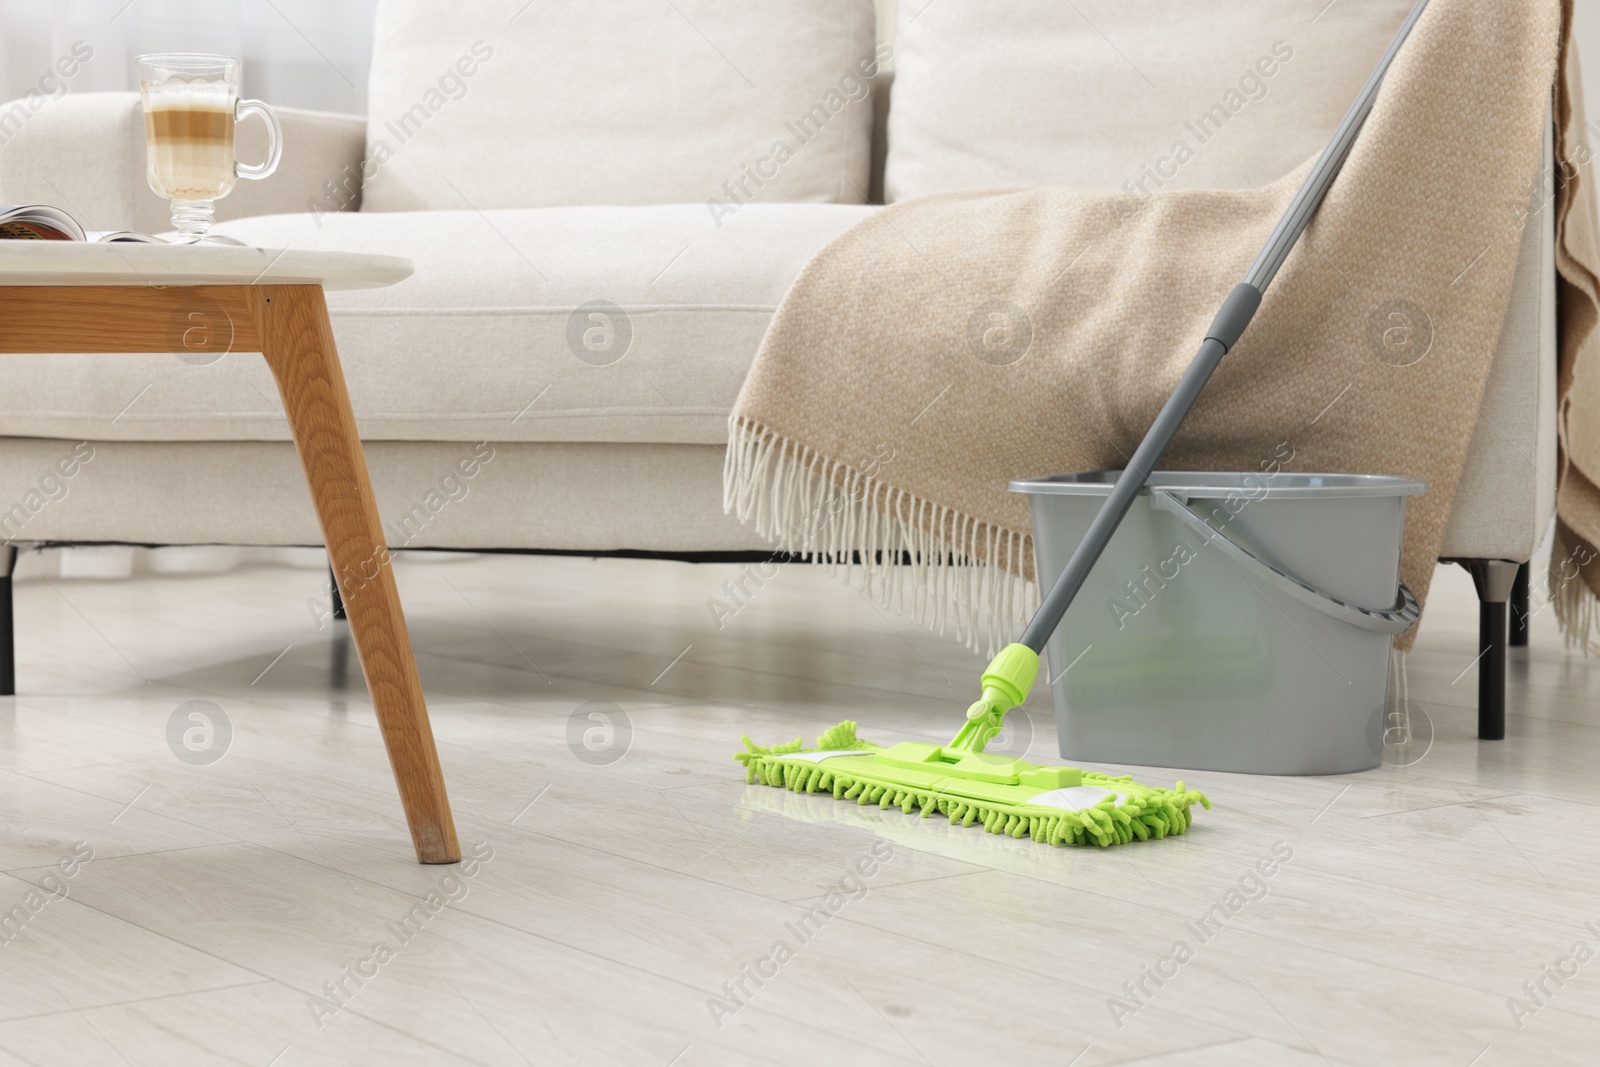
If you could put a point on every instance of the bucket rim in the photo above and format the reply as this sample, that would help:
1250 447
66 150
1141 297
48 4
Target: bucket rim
1208 485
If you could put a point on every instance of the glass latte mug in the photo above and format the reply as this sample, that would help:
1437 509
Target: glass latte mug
191 104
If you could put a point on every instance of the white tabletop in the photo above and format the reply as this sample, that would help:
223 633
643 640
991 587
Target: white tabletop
123 263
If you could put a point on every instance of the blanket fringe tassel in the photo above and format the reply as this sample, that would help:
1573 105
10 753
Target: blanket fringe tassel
899 550
1577 610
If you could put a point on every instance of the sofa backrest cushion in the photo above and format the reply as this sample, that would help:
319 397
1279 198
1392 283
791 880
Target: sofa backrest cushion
512 103
1119 95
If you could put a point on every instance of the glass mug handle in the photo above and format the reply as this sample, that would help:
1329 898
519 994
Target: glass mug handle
245 109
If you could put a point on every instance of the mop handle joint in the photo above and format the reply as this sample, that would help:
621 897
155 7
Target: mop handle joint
1234 315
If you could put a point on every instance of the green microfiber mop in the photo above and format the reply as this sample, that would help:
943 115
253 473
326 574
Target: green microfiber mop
1062 805
1057 805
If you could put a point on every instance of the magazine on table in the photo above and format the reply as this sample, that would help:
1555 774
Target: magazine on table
40 222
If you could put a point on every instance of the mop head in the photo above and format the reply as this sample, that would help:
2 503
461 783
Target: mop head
1057 805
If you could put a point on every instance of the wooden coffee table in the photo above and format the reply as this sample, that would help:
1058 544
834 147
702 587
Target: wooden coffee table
63 297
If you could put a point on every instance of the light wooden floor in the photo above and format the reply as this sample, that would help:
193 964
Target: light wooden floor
622 893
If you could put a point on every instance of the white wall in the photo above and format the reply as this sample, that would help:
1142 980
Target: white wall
1586 32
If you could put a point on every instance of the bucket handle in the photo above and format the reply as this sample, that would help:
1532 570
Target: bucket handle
1395 620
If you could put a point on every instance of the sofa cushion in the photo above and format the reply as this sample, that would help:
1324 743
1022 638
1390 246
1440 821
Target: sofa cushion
1107 94
558 324
506 104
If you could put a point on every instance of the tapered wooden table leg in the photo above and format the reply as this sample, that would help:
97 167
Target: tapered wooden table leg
291 322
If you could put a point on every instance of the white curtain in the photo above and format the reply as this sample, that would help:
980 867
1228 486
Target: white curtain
297 53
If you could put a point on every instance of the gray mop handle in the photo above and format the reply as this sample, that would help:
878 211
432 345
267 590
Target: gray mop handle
1236 313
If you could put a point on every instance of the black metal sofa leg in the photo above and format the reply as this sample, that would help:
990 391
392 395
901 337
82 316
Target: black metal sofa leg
8 638
335 598
1519 608
1494 579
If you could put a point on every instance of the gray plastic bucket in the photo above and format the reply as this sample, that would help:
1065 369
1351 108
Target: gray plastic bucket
1236 622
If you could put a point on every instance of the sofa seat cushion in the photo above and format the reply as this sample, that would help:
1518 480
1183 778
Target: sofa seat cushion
557 324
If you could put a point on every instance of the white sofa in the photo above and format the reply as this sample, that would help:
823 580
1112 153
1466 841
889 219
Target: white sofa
604 153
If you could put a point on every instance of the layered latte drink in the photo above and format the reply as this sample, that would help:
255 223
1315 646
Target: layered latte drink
189 144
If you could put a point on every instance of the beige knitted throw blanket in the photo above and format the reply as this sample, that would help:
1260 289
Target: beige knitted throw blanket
950 344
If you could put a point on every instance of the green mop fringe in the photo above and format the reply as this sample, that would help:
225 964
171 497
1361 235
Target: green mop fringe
1148 812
